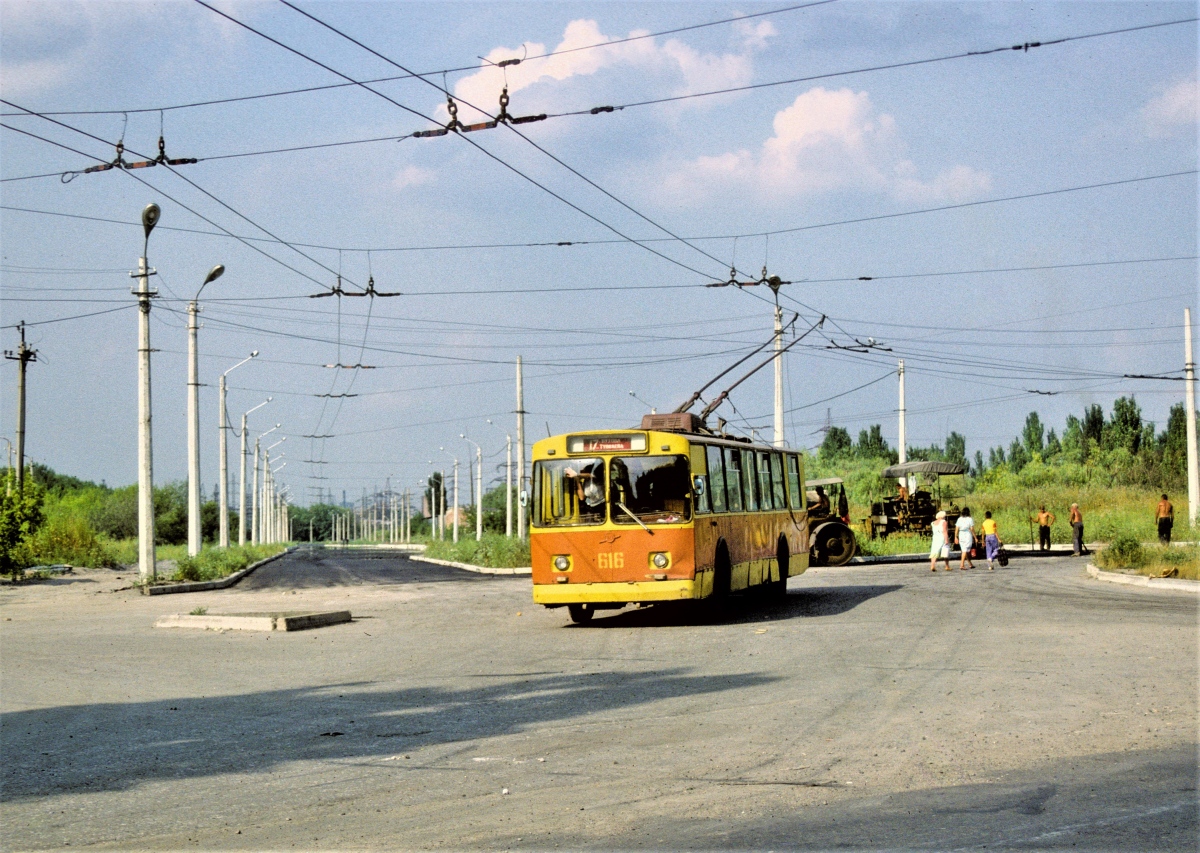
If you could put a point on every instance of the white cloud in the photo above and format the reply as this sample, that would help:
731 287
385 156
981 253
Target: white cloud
826 140
1172 110
412 176
755 36
691 69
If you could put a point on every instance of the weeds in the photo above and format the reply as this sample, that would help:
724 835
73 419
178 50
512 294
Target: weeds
216 563
199 611
494 551
1156 561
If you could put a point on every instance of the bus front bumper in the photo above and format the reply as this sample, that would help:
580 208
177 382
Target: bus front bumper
609 593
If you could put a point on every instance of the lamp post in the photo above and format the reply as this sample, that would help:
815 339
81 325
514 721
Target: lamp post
242 495
268 491
271 495
223 480
146 554
254 528
478 487
455 458
193 427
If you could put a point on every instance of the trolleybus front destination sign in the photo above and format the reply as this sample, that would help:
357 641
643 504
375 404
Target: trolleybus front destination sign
605 443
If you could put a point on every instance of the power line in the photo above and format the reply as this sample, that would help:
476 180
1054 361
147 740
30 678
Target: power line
472 142
408 76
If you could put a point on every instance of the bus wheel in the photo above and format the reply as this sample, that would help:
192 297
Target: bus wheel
782 560
580 613
722 574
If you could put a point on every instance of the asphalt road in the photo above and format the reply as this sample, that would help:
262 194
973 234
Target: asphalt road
876 708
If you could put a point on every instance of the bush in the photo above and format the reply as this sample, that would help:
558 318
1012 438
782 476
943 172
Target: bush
1125 552
72 541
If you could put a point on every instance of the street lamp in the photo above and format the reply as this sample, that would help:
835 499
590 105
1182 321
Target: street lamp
653 410
193 427
455 458
255 537
242 497
223 505
146 554
478 487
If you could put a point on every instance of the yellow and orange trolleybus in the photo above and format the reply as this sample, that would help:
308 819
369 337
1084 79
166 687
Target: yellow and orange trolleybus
668 512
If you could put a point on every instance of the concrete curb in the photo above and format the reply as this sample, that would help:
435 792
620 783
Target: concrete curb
223 583
254 621
416 547
1013 551
482 570
1175 584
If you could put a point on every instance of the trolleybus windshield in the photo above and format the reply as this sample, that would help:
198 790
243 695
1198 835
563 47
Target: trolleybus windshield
650 490
568 492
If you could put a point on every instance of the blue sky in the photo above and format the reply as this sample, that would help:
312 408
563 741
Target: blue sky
827 164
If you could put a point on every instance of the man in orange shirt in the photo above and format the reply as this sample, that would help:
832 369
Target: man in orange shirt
1164 514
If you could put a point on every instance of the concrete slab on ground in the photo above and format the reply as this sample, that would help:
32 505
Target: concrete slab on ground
294 621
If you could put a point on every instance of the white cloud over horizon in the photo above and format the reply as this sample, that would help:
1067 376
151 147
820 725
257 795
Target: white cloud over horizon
693 69
1173 110
825 140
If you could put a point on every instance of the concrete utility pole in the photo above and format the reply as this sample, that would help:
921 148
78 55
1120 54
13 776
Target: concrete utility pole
903 440
456 504
242 497
778 438
193 426
508 490
146 552
520 449
22 357
223 480
1189 384
477 496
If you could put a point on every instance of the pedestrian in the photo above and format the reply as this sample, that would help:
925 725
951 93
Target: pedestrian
940 549
1165 515
991 538
965 526
1077 526
1044 520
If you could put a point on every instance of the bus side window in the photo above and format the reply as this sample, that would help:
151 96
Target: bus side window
777 487
733 479
764 480
749 481
699 471
793 478
716 479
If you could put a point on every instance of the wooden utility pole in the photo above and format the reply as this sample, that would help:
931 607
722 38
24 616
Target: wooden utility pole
22 357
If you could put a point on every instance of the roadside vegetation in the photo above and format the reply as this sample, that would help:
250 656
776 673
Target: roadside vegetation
495 551
215 563
1127 553
1115 467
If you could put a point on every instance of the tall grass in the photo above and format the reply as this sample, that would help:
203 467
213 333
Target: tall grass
70 540
1128 552
216 563
494 551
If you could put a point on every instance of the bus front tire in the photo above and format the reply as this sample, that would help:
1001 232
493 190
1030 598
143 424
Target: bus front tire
580 613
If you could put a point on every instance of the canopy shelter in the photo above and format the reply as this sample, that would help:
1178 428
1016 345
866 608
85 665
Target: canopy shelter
899 471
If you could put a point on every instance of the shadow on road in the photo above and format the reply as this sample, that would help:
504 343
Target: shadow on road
110 746
805 603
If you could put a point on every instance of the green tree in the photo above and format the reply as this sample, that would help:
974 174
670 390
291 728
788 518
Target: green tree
1124 429
871 444
956 449
1053 446
1093 424
20 517
1018 456
1032 435
837 443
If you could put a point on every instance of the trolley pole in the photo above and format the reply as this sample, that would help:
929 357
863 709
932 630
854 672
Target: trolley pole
146 552
1189 384
520 449
22 357
779 441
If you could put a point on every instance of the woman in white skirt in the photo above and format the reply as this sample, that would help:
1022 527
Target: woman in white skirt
940 549
965 527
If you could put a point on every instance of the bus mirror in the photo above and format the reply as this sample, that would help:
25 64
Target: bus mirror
524 498
698 485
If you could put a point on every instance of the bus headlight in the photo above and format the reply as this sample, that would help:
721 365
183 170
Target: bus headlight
660 560
562 563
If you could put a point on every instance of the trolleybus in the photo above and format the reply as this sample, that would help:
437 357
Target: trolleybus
668 512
